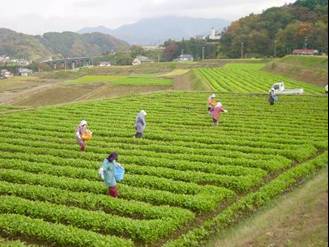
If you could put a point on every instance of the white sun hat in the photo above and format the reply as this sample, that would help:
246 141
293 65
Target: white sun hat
83 122
213 95
143 112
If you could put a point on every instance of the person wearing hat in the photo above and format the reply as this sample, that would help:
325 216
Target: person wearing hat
81 129
216 113
140 124
108 174
272 98
211 103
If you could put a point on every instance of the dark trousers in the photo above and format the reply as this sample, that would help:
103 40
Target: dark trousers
82 145
139 135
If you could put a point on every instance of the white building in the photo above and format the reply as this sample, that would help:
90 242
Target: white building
105 64
185 58
4 59
214 35
24 72
5 74
141 60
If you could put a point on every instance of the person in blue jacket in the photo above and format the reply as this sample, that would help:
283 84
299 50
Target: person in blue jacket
109 177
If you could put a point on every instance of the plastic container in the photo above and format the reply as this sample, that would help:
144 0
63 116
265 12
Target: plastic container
87 136
119 173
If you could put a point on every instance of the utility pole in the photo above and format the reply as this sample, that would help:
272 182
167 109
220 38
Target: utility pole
242 50
203 53
305 43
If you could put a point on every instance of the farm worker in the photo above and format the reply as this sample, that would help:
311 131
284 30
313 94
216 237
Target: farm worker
108 170
272 98
80 131
140 124
211 103
217 112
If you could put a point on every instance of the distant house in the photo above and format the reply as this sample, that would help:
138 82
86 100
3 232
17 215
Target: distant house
4 59
185 58
152 47
24 72
105 64
5 74
308 52
214 35
22 62
141 60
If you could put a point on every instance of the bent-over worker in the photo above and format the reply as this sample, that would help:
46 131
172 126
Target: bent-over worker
216 113
272 97
80 131
140 124
211 103
109 174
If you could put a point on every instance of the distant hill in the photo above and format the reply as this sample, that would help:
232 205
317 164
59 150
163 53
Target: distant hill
279 31
99 29
57 45
20 45
157 30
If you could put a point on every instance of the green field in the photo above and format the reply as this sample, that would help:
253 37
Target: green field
310 62
249 78
146 80
183 180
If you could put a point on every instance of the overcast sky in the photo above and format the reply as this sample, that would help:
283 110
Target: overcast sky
40 16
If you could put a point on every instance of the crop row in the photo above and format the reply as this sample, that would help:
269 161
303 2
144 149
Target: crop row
90 174
153 147
234 121
201 202
58 234
66 127
92 202
252 144
96 221
246 78
71 152
250 203
141 166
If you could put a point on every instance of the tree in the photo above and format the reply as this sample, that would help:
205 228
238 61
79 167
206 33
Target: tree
136 50
171 50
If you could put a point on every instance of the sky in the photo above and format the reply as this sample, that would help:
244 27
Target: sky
40 16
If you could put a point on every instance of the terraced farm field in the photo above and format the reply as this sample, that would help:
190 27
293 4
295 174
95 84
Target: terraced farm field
248 78
184 179
140 80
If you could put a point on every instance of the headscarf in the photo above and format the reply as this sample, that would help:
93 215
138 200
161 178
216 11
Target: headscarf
113 156
83 122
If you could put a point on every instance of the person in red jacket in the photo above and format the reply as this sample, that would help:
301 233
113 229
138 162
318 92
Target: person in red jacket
216 113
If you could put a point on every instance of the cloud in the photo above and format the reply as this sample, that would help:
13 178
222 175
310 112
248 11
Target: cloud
39 16
227 9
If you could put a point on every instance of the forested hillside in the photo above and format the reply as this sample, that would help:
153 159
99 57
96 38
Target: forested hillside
20 45
57 45
277 31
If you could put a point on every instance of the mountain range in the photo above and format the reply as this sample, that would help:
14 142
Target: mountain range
57 45
155 31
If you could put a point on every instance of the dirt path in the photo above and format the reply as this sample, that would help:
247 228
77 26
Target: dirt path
13 96
298 218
